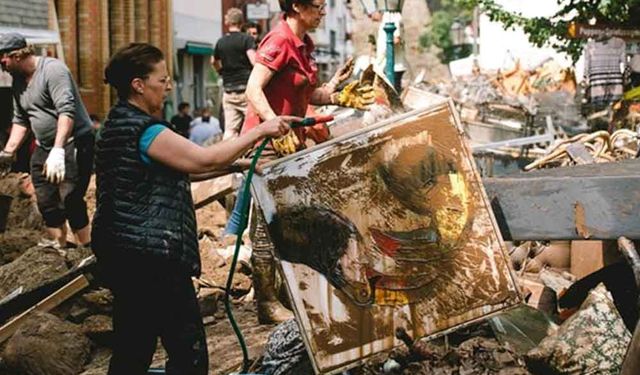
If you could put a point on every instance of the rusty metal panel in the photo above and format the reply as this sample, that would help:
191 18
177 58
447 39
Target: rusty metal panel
382 228
594 201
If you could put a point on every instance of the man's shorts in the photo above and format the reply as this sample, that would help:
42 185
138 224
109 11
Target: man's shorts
65 201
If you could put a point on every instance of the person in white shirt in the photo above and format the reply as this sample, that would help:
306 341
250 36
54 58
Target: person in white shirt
204 128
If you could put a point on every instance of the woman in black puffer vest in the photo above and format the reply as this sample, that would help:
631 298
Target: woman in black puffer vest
144 228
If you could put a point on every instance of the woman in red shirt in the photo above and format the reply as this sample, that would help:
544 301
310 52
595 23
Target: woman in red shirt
284 80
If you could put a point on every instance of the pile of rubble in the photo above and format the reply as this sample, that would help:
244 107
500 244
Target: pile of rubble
581 296
581 304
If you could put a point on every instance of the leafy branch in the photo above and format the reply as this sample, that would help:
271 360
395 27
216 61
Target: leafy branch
553 31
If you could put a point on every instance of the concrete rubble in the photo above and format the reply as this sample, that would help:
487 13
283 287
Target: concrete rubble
496 108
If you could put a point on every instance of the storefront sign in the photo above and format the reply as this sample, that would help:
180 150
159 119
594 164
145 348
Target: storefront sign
258 11
581 31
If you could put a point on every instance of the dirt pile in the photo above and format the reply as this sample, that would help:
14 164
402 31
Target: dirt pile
24 212
216 261
24 222
87 315
477 355
47 345
99 328
14 242
36 267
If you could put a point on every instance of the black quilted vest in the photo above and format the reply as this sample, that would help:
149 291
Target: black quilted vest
141 209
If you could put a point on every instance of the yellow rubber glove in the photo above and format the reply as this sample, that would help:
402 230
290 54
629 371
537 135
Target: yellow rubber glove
286 145
356 95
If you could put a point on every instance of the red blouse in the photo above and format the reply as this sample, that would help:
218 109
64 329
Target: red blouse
296 76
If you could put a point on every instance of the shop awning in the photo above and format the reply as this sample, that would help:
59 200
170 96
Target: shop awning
194 48
34 36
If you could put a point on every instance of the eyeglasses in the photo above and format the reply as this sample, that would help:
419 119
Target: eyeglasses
165 80
319 7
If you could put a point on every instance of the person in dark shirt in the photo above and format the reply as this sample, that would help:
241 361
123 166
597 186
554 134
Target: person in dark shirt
254 30
182 120
233 58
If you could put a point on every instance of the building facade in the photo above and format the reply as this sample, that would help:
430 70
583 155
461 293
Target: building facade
198 25
263 12
85 33
333 38
92 30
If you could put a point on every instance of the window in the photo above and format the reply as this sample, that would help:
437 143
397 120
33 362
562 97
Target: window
332 41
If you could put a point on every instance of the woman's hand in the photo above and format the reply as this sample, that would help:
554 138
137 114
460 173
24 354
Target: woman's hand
343 74
179 153
277 127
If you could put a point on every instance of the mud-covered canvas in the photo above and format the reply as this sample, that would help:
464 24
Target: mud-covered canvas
383 228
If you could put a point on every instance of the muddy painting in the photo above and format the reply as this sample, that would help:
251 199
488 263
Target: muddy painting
383 228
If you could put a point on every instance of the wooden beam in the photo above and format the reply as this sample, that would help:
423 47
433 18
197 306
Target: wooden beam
595 201
209 191
53 300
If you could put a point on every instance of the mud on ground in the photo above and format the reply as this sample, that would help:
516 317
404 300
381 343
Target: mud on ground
24 223
41 264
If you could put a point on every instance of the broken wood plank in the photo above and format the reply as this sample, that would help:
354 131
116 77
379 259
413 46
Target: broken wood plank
205 192
53 300
23 300
589 256
541 205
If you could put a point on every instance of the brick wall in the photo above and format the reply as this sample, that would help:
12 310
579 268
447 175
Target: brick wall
117 20
142 20
91 54
92 30
67 25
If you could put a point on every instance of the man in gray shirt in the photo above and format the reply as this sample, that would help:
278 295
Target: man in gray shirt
46 102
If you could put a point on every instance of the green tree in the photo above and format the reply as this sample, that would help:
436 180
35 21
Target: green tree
438 30
553 31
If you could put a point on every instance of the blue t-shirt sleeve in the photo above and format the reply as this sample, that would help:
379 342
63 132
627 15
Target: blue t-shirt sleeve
147 138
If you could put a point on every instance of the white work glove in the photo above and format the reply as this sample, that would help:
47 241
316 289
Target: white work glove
54 166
